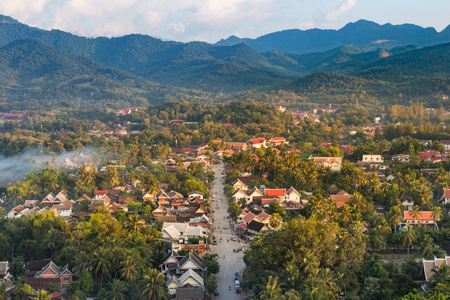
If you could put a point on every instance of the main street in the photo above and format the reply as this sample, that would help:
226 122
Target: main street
230 261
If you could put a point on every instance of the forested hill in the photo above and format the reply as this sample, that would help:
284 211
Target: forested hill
33 70
363 34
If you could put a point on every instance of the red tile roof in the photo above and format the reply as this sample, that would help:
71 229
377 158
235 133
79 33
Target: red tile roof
266 201
423 216
446 193
100 192
263 216
248 217
275 192
257 141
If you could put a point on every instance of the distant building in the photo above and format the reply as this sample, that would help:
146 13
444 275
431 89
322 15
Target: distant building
334 163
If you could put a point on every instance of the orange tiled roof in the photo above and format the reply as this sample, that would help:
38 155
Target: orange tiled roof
423 216
275 192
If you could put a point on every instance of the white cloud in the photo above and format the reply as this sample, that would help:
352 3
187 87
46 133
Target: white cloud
175 19
345 6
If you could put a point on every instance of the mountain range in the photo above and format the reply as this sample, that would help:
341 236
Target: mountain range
363 34
140 69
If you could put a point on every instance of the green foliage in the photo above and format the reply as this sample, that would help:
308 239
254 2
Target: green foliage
211 285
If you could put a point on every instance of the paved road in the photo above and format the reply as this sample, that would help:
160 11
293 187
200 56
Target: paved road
233 261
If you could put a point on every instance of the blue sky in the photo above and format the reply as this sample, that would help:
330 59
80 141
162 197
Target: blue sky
212 20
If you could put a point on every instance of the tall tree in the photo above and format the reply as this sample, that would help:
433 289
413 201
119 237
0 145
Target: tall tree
154 286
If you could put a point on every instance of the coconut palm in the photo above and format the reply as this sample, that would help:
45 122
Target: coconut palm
436 214
395 216
154 286
117 291
358 202
135 223
272 290
345 214
101 264
129 271
409 237
441 273
415 213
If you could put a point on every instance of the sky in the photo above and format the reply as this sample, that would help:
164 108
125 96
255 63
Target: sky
212 20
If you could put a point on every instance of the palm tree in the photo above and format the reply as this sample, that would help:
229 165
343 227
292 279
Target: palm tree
441 273
112 176
101 264
129 271
360 178
437 213
415 213
134 223
154 286
272 290
395 216
409 237
427 246
358 202
117 291
345 215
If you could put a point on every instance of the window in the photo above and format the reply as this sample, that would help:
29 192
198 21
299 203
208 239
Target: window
66 279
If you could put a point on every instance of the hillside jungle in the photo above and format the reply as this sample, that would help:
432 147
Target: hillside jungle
321 252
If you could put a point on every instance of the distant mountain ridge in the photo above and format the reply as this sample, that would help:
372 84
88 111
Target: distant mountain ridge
54 65
363 34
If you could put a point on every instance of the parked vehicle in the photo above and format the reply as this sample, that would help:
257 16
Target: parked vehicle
237 284
216 292
238 291
236 275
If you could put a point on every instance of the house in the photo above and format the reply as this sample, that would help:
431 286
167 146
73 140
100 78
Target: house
52 200
255 227
293 195
371 159
423 218
11 118
63 210
57 296
446 196
333 163
291 205
401 157
190 292
195 194
408 204
280 108
239 194
238 184
5 277
341 199
257 143
162 198
149 197
276 141
446 144
239 146
430 266
191 280
254 193
41 272
178 231
276 193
